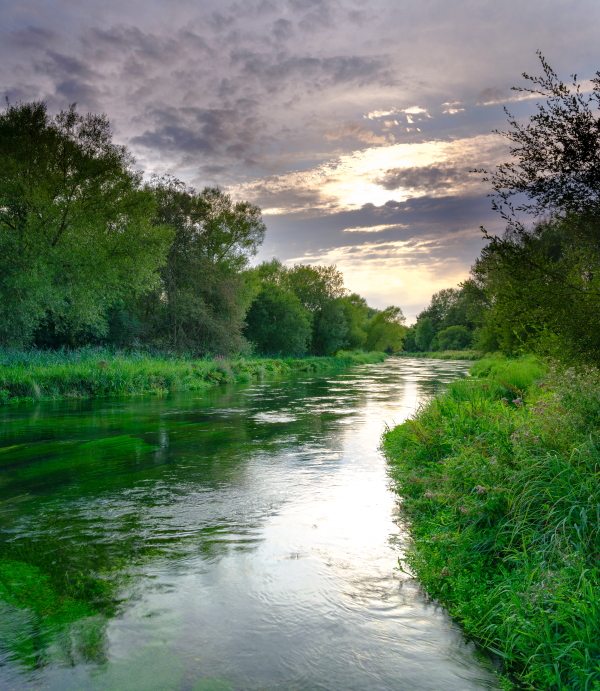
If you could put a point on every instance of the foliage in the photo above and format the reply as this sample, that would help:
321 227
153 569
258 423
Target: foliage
277 323
356 312
76 224
424 333
34 375
540 284
386 330
455 338
543 289
500 476
338 320
203 295
556 155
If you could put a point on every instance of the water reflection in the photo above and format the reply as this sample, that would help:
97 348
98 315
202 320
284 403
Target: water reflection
241 539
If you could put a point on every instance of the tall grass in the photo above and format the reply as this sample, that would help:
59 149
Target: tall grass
48 375
500 477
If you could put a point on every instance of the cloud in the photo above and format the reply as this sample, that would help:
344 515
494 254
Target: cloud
424 178
201 131
380 174
374 229
354 130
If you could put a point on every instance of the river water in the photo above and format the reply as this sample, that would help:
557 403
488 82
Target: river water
241 539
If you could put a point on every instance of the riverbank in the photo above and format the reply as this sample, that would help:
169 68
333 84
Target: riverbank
500 479
28 376
447 355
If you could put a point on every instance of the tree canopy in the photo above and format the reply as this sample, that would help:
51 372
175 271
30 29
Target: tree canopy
78 226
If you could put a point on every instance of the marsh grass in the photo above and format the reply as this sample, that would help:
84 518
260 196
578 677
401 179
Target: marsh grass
33 375
500 477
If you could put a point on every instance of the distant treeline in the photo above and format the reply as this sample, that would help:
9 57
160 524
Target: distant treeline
92 254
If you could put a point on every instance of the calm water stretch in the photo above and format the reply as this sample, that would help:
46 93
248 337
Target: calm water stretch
241 539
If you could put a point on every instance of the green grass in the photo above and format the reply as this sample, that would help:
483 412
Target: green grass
33 375
500 479
447 355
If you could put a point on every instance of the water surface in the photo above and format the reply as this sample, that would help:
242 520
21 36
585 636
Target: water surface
241 539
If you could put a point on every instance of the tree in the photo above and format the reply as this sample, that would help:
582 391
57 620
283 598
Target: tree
424 333
277 323
541 280
356 312
455 338
543 291
556 155
204 292
319 289
77 230
386 331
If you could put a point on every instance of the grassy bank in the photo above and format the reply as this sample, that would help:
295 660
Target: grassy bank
447 355
500 477
27 376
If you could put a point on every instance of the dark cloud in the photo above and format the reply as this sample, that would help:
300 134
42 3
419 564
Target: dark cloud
424 178
339 69
283 29
356 131
438 217
33 37
193 131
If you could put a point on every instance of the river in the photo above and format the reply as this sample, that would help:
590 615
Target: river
239 539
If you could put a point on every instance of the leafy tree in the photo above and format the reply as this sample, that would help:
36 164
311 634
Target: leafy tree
319 289
77 230
386 331
277 323
356 312
410 344
455 338
556 155
424 333
543 290
204 292
330 328
541 280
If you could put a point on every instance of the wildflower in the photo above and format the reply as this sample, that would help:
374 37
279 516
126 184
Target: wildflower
518 402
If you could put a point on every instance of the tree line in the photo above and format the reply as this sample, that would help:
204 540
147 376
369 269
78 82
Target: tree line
92 253
535 288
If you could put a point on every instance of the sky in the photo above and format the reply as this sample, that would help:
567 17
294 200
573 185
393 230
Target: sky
353 124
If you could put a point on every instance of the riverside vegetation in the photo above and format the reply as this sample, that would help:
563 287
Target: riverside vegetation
500 478
86 373
500 475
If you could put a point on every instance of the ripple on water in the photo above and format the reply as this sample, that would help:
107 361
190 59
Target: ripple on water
241 540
